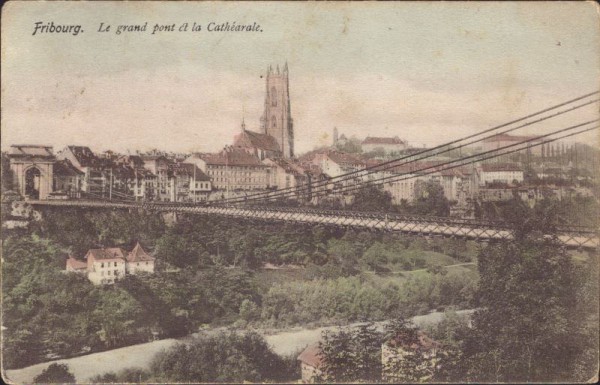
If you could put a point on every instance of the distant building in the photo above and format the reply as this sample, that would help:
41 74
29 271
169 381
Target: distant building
191 184
95 178
67 179
233 169
388 145
105 266
505 173
310 363
533 143
285 173
159 166
335 163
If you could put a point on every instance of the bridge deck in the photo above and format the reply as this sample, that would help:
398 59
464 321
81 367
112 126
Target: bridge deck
580 237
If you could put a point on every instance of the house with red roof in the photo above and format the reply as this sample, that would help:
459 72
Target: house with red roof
310 361
106 265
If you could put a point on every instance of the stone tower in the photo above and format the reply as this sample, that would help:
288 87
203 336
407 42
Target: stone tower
277 117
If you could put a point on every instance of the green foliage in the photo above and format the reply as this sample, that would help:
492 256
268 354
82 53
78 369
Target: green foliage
129 375
529 328
48 313
355 354
431 200
372 198
55 373
227 357
351 355
352 145
407 361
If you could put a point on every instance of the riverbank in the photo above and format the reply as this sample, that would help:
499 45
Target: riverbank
284 342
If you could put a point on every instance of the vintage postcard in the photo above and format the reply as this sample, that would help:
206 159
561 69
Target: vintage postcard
300 192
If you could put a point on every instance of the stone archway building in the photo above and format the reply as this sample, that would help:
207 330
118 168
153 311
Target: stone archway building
33 170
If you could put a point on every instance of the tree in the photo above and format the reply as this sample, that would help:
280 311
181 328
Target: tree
226 357
406 360
431 199
526 330
55 373
351 355
372 198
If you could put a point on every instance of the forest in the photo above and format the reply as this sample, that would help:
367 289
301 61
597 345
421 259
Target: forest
322 276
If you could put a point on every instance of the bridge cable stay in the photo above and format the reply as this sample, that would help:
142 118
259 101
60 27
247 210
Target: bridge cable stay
434 169
286 194
380 167
426 153
441 167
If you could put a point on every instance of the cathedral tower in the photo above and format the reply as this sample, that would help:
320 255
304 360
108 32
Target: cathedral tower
277 117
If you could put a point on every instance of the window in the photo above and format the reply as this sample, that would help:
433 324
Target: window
115 264
102 264
137 264
273 96
108 272
116 272
274 121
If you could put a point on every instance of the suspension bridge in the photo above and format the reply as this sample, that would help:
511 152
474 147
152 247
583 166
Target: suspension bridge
259 205
571 237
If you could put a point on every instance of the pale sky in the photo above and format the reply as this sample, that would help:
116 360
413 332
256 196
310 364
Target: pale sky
427 72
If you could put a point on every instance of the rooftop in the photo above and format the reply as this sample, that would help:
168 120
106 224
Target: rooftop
230 156
310 356
254 139
491 167
138 254
189 169
29 150
381 140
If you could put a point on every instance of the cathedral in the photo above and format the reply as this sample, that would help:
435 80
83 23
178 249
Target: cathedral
276 120
276 139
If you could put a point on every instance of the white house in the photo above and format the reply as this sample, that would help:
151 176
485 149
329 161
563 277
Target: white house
105 266
506 173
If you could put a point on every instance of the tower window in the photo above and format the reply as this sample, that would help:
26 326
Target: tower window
273 96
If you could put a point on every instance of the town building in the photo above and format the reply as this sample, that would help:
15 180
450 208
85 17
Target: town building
233 169
191 184
276 120
531 144
387 145
285 173
67 179
503 173
335 163
106 265
159 166
95 176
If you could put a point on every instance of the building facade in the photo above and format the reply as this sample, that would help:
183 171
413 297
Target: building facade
33 170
